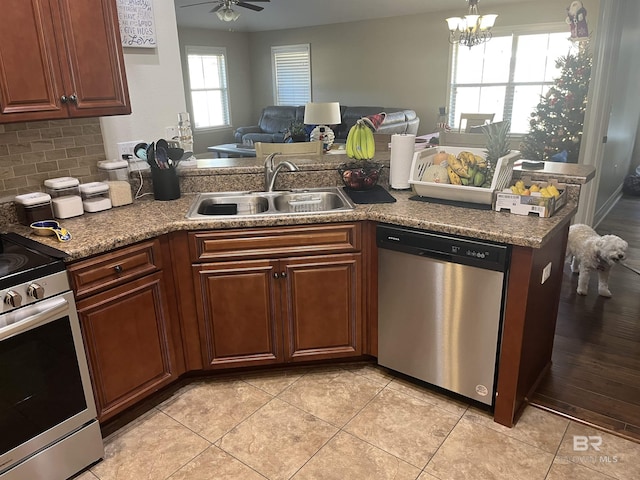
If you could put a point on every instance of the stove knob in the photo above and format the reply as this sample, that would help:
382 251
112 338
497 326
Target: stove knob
35 291
13 299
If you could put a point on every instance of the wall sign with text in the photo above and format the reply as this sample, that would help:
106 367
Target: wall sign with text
137 27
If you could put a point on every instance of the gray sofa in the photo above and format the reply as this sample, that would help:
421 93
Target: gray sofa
275 120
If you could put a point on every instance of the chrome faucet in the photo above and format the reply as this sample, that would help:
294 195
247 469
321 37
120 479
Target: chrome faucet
271 172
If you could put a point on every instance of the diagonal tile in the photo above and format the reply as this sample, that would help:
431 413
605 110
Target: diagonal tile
536 427
213 408
277 440
334 396
273 382
431 396
371 371
348 457
614 455
565 470
214 464
152 448
87 475
474 451
405 426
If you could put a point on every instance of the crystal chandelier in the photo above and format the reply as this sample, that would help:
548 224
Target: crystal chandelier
227 14
472 29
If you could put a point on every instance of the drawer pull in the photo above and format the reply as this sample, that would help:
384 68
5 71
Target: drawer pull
118 268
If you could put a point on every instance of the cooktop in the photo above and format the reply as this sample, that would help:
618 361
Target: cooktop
23 259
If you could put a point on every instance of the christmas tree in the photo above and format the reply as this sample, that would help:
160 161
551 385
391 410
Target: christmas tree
556 124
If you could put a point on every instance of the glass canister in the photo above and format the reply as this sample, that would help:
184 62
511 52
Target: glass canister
33 207
116 173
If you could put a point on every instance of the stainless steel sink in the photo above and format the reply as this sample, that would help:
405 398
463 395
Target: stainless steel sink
253 204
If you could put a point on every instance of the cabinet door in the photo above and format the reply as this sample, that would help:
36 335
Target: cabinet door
323 309
30 76
128 343
90 45
238 304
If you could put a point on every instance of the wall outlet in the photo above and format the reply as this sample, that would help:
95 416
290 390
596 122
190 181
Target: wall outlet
126 148
546 273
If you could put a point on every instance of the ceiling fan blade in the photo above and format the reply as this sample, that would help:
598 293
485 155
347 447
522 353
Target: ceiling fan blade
201 3
215 9
249 6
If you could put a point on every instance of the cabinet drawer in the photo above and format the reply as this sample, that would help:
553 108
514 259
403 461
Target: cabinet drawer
274 242
115 268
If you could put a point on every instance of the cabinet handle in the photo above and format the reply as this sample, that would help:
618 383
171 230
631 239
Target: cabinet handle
118 268
73 98
283 274
64 99
276 275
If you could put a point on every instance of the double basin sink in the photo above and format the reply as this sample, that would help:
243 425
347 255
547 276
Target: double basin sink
252 204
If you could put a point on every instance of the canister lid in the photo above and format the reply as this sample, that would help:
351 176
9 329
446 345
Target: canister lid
112 164
94 187
61 182
30 199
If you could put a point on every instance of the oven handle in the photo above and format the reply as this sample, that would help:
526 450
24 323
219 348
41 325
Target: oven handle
30 316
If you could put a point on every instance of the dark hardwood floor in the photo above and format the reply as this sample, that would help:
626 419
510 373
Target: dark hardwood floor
595 376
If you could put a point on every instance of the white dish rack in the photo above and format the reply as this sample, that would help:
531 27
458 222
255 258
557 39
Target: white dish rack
424 158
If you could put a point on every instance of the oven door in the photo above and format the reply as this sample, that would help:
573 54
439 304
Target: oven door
45 391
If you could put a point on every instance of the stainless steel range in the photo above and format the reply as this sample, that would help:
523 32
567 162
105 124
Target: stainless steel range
47 413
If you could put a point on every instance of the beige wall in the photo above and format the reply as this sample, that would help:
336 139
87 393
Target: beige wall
239 71
392 62
154 77
625 108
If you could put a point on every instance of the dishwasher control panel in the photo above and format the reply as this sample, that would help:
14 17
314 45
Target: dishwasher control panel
448 247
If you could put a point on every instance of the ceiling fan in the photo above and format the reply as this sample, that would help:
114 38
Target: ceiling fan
225 12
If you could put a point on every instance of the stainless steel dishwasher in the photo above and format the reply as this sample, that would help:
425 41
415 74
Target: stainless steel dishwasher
440 307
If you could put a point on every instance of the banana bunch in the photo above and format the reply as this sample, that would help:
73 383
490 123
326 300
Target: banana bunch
519 188
360 142
468 169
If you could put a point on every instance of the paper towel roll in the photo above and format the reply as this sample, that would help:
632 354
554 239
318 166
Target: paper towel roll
402 150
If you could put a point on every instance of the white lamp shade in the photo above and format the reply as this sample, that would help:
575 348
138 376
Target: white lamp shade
453 23
316 113
487 21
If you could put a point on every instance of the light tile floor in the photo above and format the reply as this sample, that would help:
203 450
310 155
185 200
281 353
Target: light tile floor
350 422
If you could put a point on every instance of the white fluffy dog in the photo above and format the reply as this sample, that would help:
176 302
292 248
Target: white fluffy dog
587 251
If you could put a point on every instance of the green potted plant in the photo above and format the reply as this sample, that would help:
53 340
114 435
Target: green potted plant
295 133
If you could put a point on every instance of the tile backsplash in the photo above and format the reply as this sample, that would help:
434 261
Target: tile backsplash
32 152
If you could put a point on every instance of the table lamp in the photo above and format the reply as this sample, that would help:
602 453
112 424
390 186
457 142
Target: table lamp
322 115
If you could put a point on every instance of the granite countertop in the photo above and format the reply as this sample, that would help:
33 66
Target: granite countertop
95 233
146 218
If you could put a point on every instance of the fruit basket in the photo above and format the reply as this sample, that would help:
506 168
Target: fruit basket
461 193
360 175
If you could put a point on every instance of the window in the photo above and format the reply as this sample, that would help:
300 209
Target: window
291 65
506 76
208 87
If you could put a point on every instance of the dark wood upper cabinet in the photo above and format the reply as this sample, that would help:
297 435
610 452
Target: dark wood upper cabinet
61 59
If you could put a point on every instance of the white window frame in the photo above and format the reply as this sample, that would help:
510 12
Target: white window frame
301 69
210 51
515 32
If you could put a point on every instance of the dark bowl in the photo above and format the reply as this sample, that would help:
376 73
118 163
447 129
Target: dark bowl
361 175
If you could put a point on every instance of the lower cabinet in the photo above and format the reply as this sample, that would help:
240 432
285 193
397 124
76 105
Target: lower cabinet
278 310
275 311
127 328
